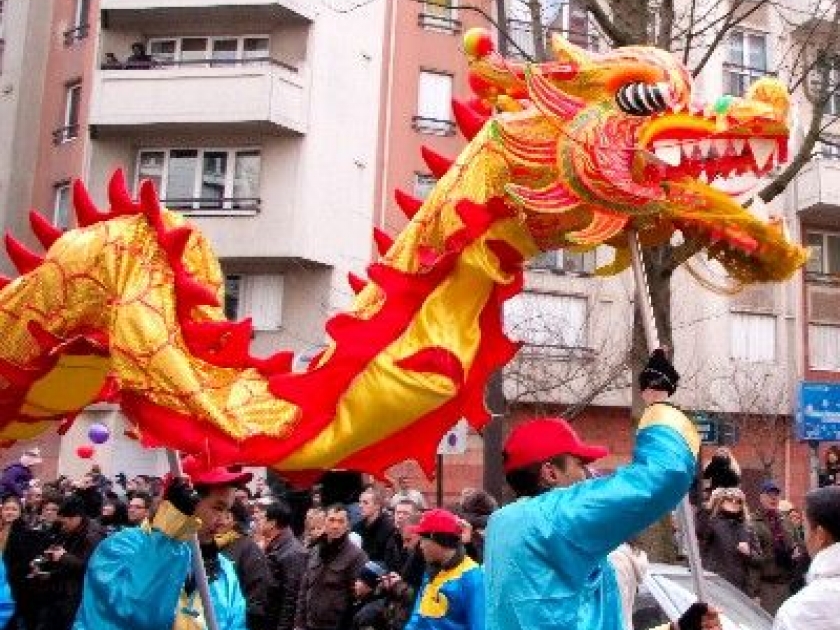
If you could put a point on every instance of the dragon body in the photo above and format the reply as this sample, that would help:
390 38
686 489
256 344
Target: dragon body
127 305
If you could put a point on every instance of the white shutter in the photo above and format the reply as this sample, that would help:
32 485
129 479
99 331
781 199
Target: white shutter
547 320
753 337
824 347
262 300
434 100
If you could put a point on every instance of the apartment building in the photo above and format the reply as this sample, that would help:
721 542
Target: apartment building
257 119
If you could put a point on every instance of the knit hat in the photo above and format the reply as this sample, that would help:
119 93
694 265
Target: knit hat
31 457
659 374
371 573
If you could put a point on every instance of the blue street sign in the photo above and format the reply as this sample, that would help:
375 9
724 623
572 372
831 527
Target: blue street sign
818 411
707 427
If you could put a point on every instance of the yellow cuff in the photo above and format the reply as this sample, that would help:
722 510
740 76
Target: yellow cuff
173 523
669 416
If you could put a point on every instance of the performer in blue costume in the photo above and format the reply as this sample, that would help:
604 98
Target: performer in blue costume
546 553
139 578
7 604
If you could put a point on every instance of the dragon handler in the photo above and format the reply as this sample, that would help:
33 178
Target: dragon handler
546 553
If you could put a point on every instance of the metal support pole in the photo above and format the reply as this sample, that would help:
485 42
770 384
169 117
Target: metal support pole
685 515
439 481
199 573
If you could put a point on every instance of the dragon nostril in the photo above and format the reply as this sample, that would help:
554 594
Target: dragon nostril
642 99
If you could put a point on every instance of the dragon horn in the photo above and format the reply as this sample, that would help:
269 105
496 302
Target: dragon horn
118 195
24 259
46 232
357 283
437 163
86 211
408 204
469 121
383 241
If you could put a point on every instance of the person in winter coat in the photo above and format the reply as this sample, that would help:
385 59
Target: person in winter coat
723 470
775 547
368 609
725 538
249 561
63 564
452 595
376 527
326 590
16 478
286 559
815 606
830 474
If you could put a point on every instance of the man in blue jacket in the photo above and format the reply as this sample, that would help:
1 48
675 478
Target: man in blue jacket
140 578
546 554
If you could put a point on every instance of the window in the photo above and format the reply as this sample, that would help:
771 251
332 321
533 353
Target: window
72 105
825 253
203 51
439 15
824 347
746 61
62 205
543 319
259 297
423 184
568 18
566 261
752 337
81 23
204 179
829 147
434 104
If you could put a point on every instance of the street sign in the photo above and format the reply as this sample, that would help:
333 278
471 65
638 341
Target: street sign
818 412
454 441
707 427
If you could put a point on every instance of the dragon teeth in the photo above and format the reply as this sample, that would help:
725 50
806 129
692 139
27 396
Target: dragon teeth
668 153
738 144
720 145
762 150
688 148
705 146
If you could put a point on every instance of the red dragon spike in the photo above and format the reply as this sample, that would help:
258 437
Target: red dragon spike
118 195
383 241
469 121
357 283
46 232
408 204
149 202
175 241
23 258
4 280
437 163
86 211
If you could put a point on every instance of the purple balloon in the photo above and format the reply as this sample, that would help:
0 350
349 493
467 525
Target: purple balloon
98 433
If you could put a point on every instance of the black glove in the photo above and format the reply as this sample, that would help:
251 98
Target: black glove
692 619
182 495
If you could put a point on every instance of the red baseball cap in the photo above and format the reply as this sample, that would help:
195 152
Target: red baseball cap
438 521
541 439
201 475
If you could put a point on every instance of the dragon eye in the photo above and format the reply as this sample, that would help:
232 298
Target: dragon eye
641 99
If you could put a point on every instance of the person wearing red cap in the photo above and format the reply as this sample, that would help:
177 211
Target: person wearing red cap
546 563
140 577
452 594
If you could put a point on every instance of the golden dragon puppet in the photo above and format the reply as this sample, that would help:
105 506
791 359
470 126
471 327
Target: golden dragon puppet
580 151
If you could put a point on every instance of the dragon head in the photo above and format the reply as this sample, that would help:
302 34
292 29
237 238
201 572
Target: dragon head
601 144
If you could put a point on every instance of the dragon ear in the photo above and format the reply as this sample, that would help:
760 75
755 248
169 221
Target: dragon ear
566 52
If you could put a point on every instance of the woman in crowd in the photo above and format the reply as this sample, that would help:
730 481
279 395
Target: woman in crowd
11 511
114 515
830 474
724 536
313 527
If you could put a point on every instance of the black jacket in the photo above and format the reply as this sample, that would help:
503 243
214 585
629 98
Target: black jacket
286 558
252 571
375 536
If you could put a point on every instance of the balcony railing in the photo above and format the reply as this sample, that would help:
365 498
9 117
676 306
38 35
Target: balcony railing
214 206
65 134
209 62
76 34
434 126
439 23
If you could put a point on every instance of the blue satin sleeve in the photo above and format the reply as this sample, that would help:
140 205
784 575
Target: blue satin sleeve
477 610
228 601
7 603
581 524
133 580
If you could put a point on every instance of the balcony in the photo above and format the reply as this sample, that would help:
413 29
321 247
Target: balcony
254 95
818 192
149 15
